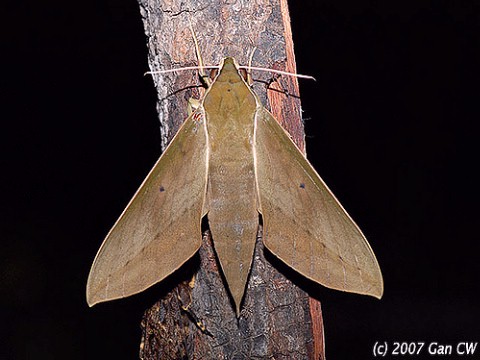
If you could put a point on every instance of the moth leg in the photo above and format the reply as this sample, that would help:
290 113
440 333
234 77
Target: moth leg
275 79
192 105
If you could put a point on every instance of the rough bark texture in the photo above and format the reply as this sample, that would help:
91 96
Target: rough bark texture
196 319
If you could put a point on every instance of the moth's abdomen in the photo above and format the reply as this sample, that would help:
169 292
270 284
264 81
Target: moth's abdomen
231 191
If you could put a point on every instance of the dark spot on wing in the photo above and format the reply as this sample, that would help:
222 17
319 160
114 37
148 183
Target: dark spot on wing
302 185
162 189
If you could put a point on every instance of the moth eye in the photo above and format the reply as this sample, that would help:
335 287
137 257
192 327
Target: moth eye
302 186
162 189
243 73
213 73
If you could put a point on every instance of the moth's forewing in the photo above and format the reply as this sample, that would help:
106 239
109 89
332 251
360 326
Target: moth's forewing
303 223
160 228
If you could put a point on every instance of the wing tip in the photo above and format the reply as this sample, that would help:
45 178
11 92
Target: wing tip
377 293
91 298
94 299
377 287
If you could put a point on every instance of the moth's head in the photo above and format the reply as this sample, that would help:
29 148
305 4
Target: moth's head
230 71
229 63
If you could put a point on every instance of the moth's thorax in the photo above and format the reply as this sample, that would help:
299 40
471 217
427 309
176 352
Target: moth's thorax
230 108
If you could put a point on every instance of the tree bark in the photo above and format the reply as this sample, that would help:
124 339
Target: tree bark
195 317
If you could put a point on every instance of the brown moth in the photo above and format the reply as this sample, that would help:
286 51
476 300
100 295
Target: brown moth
231 161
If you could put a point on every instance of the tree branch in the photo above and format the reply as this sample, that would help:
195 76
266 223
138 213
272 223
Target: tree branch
197 320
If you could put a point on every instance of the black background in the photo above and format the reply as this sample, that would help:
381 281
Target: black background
390 126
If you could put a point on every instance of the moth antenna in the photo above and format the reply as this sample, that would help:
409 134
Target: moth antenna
249 73
181 69
205 79
278 72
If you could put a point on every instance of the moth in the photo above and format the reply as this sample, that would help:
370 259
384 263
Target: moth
232 162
